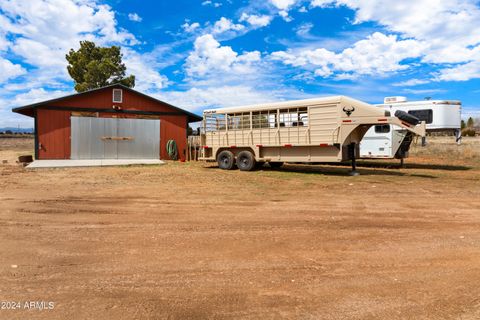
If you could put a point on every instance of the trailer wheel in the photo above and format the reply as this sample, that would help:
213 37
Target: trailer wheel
275 164
226 160
245 161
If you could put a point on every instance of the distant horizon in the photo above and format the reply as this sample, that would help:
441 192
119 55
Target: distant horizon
198 54
21 129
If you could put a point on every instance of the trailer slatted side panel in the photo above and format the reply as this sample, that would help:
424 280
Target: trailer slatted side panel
265 137
323 120
294 135
322 127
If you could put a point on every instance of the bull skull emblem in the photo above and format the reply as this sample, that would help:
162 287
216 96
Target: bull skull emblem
348 111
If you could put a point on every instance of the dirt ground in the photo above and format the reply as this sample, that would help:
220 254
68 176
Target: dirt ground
189 241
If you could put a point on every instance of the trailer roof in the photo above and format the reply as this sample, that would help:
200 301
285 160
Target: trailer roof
420 102
292 103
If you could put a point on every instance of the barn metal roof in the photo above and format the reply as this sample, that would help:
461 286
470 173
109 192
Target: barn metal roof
28 109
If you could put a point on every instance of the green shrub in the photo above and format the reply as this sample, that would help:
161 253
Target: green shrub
469 132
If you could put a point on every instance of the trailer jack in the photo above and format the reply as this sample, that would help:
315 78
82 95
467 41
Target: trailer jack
351 153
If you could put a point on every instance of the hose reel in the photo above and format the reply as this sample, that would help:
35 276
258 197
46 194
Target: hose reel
172 150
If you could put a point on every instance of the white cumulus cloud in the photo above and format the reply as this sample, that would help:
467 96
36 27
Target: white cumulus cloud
410 83
45 30
463 72
40 33
38 95
147 77
217 96
134 17
211 3
210 57
190 27
376 55
283 4
224 25
256 20
448 28
9 70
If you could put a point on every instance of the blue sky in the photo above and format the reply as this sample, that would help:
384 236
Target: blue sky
203 54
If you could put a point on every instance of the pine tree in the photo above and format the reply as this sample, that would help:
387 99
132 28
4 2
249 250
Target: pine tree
470 122
93 67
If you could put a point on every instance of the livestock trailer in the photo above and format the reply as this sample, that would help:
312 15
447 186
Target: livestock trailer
386 141
315 130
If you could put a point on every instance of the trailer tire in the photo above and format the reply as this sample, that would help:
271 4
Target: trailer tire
408 118
246 161
275 164
226 160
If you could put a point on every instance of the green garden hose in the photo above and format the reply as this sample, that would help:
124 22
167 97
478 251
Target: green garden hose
172 149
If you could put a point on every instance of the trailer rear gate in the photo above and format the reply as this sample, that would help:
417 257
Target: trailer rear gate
113 138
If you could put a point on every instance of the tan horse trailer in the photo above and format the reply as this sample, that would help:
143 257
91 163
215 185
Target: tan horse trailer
315 130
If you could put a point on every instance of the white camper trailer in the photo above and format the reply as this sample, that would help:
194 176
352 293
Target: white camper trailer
389 141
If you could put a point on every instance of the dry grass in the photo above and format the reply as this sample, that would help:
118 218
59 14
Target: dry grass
445 148
190 241
440 147
12 148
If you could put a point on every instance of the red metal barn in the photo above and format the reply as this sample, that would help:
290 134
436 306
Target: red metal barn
109 122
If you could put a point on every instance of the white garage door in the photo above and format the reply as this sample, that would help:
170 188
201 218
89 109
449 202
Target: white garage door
111 138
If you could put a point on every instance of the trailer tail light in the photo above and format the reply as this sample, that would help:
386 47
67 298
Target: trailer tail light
324 145
383 119
259 145
347 121
233 147
205 147
406 124
288 145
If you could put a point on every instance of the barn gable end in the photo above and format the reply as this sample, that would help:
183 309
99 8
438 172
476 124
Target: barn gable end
53 118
